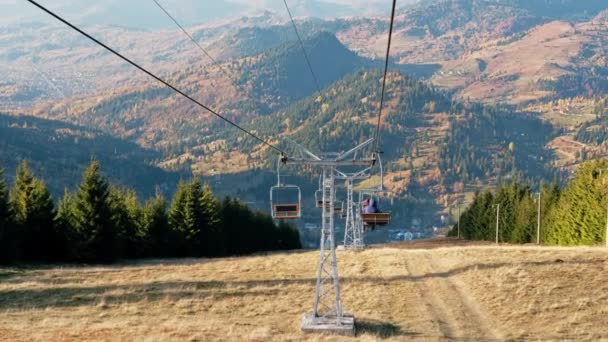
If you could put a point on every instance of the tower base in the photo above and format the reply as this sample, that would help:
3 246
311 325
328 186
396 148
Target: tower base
328 325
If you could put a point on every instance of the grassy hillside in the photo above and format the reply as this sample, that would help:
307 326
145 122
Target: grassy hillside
462 293
552 61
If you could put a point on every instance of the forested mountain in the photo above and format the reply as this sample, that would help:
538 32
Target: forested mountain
462 36
438 146
508 90
59 152
281 76
434 148
241 89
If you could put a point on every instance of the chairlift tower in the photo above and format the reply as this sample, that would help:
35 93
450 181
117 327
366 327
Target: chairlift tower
353 237
327 314
353 229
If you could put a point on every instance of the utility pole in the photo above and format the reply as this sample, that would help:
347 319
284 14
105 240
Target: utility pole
497 220
606 228
603 183
606 238
459 204
538 223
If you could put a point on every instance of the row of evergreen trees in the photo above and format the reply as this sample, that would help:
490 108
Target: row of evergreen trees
574 215
100 222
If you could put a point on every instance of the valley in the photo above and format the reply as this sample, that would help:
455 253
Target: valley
528 81
277 168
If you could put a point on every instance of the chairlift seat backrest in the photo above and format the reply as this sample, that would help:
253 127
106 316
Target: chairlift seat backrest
289 209
376 219
286 211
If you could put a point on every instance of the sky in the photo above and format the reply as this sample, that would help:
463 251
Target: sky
144 14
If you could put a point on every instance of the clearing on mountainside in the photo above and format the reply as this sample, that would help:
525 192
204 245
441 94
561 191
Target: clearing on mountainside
464 292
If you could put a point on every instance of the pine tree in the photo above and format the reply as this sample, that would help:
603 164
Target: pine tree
524 224
101 223
6 223
234 218
93 221
186 218
127 219
579 217
212 234
34 213
64 226
289 238
550 199
156 229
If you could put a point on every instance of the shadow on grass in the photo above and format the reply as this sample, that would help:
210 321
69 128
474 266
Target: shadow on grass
61 297
379 329
65 291
9 273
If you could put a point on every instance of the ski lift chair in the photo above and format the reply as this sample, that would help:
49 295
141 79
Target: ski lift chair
285 199
286 202
319 198
338 205
339 208
372 220
376 219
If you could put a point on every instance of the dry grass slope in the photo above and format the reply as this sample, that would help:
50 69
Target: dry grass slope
464 292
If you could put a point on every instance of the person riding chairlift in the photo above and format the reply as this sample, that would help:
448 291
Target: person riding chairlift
370 206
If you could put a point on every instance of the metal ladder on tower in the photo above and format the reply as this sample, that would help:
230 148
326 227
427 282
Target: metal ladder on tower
327 293
353 229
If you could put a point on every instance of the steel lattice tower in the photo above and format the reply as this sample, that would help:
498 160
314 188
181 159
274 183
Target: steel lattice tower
353 230
327 314
327 293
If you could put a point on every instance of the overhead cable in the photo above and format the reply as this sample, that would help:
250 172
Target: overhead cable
167 84
388 53
314 76
215 62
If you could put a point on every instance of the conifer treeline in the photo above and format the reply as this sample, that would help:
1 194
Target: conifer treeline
574 215
99 222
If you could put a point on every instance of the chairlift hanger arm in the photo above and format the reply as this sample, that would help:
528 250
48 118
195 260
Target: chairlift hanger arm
329 163
303 150
363 174
353 150
381 170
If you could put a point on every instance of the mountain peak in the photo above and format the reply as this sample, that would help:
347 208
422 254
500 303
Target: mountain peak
322 40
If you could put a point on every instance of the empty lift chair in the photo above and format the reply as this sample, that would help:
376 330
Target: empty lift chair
339 208
285 200
338 205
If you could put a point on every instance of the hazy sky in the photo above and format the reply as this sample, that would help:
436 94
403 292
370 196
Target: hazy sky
123 12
